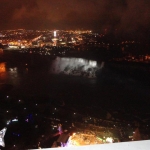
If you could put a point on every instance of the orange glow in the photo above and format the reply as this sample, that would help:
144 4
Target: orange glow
79 139
74 134
2 67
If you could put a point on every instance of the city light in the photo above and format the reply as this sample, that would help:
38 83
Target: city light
109 140
14 120
54 33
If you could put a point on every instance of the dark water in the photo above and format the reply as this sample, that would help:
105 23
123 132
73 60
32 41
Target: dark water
44 78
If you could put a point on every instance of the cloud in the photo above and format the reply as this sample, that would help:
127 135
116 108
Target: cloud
123 15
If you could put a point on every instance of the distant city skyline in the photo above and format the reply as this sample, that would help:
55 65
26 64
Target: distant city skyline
120 16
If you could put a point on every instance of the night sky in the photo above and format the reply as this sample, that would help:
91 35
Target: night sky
120 15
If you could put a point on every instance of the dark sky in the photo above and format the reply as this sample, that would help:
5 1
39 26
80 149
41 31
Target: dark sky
123 15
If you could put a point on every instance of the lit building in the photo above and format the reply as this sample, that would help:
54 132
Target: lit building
55 34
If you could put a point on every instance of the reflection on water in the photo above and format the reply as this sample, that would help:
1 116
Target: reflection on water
75 66
8 75
13 72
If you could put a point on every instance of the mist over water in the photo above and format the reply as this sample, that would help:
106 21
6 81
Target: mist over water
76 66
